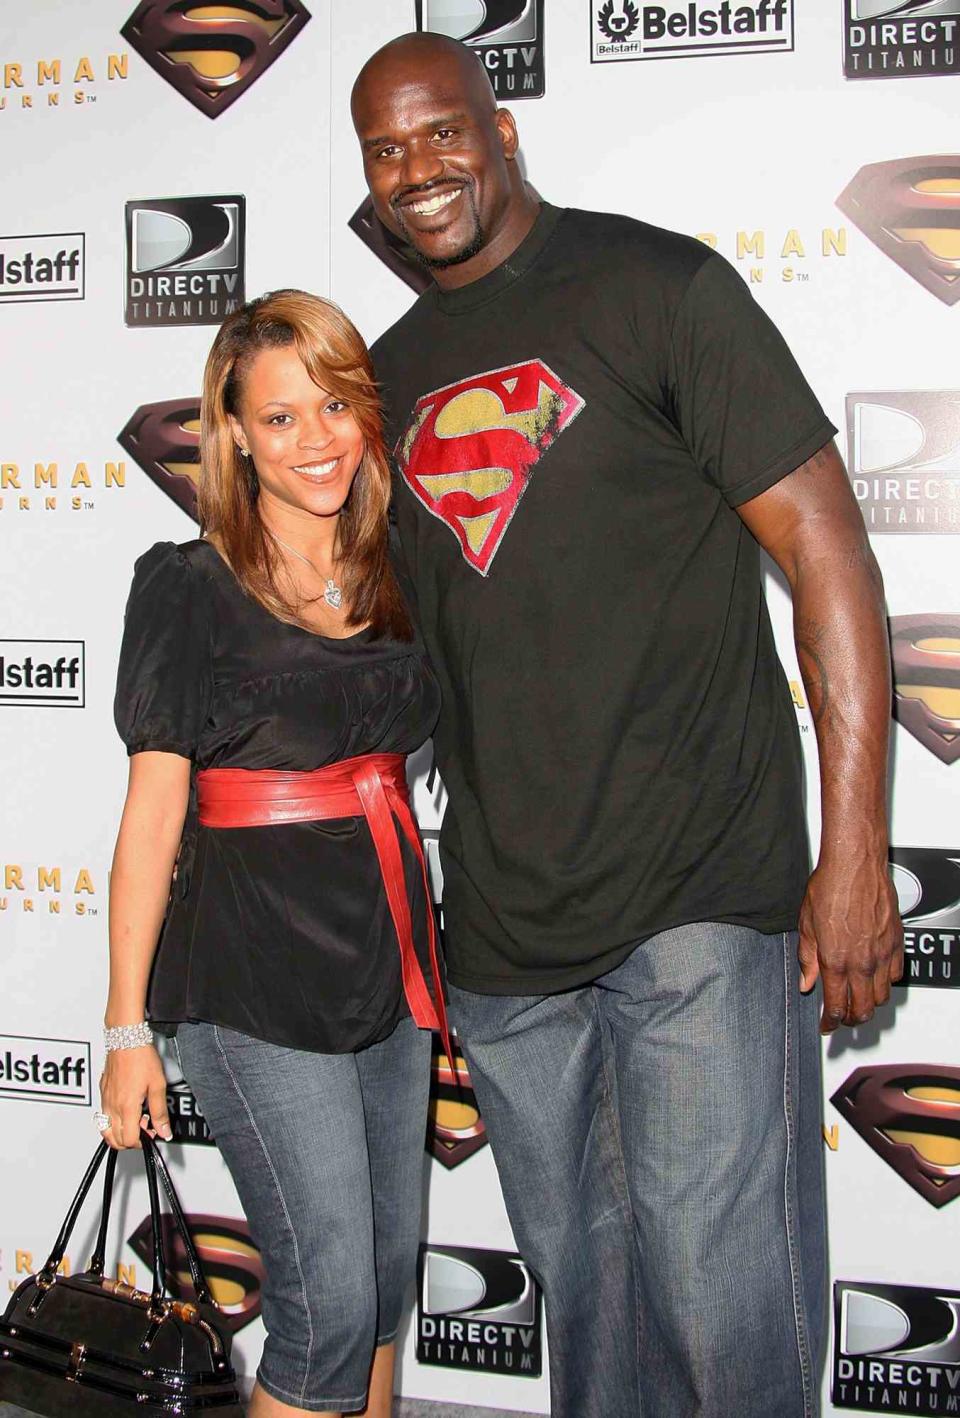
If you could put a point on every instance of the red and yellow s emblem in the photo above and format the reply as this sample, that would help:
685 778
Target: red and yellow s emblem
470 449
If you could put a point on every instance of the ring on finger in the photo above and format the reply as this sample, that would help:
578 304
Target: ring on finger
101 1121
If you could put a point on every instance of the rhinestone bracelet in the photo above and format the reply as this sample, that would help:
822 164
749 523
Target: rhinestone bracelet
127 1036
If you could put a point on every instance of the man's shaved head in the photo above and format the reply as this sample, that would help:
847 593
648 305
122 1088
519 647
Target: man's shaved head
443 61
439 155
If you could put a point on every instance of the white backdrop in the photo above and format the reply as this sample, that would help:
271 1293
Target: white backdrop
727 147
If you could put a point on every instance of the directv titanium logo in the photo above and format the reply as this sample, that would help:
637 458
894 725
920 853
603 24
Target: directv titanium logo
628 29
187 1122
903 453
505 35
927 882
41 268
896 1348
479 1310
901 39
185 260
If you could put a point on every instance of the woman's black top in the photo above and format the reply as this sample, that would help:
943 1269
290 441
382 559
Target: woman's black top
282 932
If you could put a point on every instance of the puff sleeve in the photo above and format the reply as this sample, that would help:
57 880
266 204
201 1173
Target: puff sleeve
165 676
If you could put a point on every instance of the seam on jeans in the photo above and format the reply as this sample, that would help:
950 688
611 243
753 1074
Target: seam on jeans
803 1346
319 1405
283 1204
618 1138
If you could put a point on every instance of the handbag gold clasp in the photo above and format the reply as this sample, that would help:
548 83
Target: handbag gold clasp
78 1355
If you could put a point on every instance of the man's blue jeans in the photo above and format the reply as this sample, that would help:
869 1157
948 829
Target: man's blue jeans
658 1139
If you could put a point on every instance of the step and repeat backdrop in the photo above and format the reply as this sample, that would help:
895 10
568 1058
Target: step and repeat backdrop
165 160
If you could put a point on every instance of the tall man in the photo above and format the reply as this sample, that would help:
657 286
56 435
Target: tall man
597 430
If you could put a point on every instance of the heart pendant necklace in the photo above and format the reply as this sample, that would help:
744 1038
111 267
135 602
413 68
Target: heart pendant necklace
332 593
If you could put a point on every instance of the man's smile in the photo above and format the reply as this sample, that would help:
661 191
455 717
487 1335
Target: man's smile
426 206
430 210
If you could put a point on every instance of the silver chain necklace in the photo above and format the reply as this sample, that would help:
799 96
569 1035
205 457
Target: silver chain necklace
332 593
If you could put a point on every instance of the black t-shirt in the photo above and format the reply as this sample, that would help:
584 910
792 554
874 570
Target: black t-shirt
282 932
573 433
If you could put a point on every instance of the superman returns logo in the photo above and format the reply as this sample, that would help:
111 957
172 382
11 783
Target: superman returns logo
910 208
926 673
455 1130
471 448
910 1115
164 438
211 54
231 1262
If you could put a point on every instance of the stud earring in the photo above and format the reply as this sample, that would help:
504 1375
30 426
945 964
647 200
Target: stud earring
244 452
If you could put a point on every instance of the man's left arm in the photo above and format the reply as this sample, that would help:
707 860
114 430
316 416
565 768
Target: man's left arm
850 929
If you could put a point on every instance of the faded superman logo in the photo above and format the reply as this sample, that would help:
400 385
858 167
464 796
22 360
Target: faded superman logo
470 449
910 208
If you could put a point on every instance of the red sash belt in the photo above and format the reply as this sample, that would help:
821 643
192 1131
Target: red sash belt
375 785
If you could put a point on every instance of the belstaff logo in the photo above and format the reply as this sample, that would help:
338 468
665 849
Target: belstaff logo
471 448
505 35
895 1348
455 1130
41 268
623 29
185 260
903 452
395 254
910 1115
910 208
231 1262
45 1070
164 439
42 672
211 54
901 39
927 882
617 22
926 674
478 1310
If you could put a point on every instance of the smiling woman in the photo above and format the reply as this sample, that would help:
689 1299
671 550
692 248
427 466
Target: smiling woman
269 904
295 474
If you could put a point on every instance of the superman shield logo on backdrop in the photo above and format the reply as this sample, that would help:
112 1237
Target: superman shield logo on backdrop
470 449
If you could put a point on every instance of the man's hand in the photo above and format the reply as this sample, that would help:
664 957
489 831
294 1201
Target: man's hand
851 936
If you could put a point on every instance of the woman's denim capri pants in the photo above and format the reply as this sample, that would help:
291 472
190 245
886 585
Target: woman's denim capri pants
326 1152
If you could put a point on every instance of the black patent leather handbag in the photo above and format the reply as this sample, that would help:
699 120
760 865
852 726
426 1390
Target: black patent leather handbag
84 1346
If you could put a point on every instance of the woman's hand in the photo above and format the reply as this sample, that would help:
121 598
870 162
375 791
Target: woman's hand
131 1076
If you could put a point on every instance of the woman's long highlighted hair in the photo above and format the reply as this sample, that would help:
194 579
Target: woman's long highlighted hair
337 360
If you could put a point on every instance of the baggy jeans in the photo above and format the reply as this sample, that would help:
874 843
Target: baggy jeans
658 1139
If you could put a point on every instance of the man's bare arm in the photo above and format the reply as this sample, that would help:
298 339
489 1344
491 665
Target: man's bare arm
850 929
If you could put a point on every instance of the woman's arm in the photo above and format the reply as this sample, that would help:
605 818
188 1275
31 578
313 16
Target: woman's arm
143 863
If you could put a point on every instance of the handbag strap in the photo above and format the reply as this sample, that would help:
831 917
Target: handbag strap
52 1263
97 1260
153 1165
200 1285
156 1226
